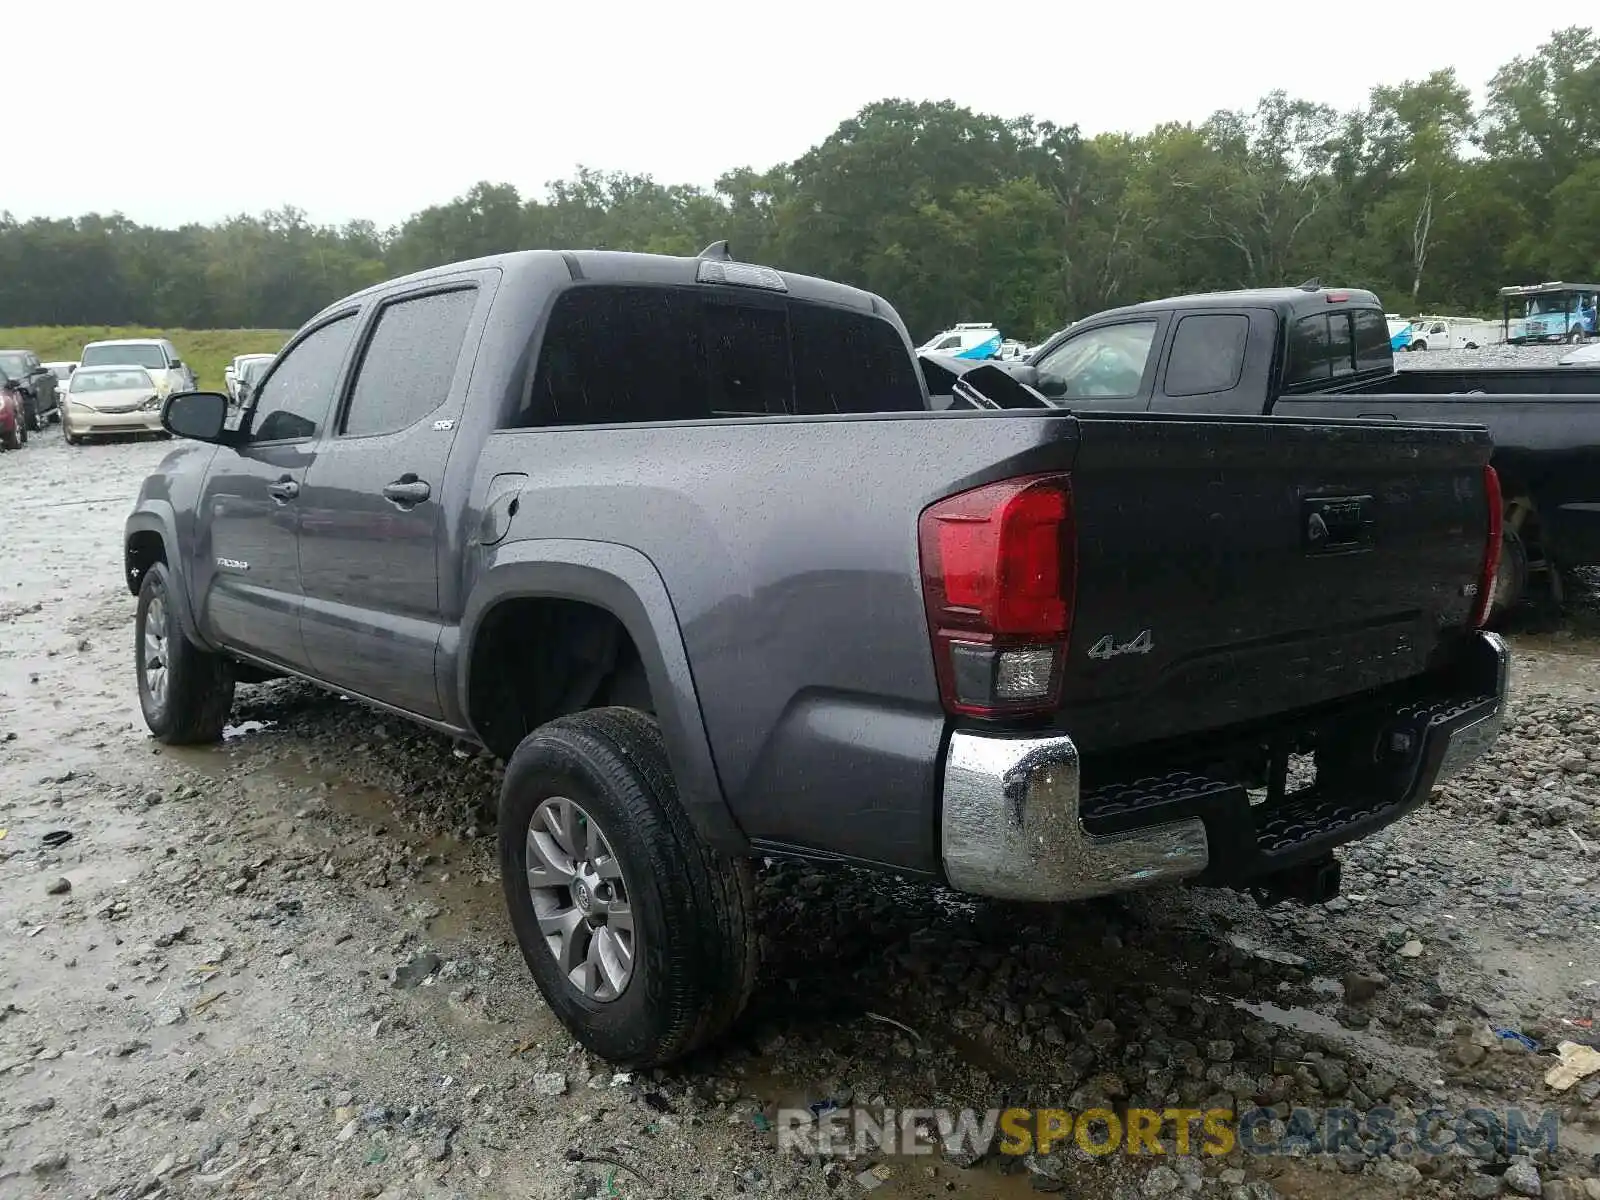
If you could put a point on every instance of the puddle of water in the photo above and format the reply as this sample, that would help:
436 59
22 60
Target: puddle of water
232 733
1381 1049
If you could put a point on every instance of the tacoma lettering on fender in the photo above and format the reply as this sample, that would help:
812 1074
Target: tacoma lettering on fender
686 542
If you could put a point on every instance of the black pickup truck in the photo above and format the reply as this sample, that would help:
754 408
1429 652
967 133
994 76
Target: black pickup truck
685 542
1313 351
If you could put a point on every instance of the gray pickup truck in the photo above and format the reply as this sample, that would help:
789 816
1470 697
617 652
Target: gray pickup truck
685 541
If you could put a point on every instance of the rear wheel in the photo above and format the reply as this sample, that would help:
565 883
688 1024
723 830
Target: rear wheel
638 933
11 440
33 423
1510 576
184 692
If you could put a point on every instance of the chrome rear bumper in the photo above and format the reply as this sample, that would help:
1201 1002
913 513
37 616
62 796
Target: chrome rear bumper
1012 827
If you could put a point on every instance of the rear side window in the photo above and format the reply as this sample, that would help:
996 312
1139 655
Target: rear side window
1373 351
409 362
636 354
1207 354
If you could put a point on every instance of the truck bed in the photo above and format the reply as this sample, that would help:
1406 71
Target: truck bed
1545 425
1193 530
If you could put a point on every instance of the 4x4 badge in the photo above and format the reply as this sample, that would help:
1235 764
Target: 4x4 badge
1109 647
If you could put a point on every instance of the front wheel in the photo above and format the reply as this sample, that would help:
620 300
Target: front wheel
639 935
1574 337
1417 346
184 692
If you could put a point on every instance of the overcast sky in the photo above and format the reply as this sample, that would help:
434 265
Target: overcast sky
172 111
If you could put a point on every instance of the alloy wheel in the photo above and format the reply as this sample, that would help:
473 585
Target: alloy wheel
581 899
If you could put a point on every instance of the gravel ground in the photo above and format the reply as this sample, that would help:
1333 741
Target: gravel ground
1488 356
280 967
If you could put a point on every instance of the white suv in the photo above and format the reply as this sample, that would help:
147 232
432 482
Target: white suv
156 355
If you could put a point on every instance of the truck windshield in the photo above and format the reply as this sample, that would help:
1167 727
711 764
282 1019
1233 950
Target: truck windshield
1547 306
148 356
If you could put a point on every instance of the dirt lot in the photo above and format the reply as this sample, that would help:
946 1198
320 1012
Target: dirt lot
280 967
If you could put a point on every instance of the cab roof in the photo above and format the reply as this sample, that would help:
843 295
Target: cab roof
1287 301
625 267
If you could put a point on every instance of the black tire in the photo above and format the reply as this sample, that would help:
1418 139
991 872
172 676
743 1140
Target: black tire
1575 337
693 908
33 422
73 441
1422 345
1510 577
199 685
11 441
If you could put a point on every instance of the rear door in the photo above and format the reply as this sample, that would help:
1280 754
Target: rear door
247 571
372 525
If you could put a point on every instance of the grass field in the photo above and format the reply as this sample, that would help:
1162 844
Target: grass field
208 351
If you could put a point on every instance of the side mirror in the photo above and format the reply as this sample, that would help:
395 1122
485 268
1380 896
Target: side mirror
198 416
176 363
1050 385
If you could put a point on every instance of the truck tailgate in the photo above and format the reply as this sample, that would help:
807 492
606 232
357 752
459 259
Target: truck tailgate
1231 569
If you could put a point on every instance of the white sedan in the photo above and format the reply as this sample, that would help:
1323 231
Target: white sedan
110 400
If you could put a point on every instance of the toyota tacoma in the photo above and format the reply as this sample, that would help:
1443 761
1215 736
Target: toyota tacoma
685 542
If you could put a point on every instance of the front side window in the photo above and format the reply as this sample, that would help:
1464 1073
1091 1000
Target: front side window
1108 362
294 400
409 362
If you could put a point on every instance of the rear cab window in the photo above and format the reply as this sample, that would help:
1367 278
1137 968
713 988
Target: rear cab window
1325 346
638 353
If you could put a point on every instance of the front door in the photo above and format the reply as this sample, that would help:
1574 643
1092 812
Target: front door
249 568
1106 367
371 516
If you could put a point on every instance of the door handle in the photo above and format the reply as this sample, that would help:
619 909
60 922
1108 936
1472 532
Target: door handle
408 491
283 490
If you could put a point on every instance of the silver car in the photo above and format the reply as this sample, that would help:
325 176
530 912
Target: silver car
110 400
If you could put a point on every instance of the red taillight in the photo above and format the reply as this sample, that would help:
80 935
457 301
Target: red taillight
999 566
1491 549
1337 297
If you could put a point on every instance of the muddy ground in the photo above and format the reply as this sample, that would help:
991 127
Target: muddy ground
280 967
